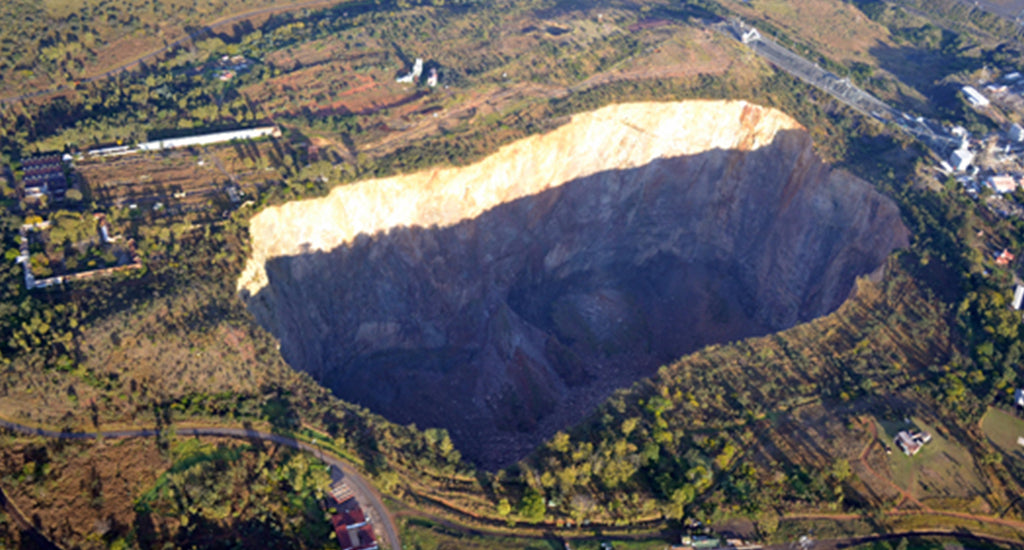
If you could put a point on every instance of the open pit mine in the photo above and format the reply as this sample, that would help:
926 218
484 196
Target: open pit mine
504 300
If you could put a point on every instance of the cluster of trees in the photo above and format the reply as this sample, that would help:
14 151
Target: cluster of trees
235 495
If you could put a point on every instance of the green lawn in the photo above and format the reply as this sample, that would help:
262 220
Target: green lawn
1003 429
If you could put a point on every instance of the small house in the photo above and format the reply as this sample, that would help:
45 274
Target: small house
910 442
1005 257
351 527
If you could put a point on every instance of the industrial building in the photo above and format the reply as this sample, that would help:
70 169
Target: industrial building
961 159
209 139
974 97
44 175
1002 184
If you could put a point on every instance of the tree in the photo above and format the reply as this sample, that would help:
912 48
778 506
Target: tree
532 506
841 470
682 496
767 523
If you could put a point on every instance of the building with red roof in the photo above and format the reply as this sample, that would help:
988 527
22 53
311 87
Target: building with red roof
353 530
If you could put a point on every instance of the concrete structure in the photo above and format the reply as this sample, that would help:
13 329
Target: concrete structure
961 159
911 442
974 97
1018 297
1002 184
1016 133
750 36
432 79
417 70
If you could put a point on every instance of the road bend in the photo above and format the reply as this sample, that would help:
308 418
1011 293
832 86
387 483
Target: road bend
364 491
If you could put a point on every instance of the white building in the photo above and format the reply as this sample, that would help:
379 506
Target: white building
1018 297
209 139
1016 133
974 97
1002 184
961 159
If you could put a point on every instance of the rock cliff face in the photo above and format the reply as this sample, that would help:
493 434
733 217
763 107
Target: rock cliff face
505 299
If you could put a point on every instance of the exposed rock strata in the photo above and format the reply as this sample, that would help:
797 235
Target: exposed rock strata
505 299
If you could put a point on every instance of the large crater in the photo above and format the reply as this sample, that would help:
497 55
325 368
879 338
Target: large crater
504 300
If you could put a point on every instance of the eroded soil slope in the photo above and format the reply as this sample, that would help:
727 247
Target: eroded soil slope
505 299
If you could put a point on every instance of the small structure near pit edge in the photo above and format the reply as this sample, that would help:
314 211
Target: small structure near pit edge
417 70
910 442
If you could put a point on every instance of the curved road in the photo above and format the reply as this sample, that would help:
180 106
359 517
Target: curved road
177 43
364 491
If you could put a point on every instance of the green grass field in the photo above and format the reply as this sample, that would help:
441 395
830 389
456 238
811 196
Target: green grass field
942 469
1003 429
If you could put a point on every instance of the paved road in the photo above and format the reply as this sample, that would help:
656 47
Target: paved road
364 491
177 43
